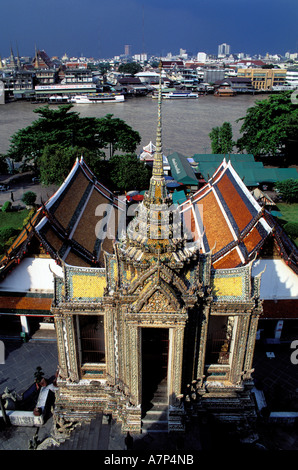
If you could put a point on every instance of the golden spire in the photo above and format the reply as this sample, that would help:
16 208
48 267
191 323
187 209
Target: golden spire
157 193
158 163
36 63
157 225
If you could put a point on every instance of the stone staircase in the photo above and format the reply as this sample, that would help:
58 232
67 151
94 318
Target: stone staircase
156 415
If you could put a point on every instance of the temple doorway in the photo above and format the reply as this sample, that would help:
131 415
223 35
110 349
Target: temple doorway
155 347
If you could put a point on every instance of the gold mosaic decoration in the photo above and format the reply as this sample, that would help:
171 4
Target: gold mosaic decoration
228 286
89 287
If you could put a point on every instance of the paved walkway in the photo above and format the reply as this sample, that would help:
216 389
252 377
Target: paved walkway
17 189
276 374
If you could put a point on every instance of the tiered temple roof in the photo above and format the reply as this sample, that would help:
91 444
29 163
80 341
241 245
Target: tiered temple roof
226 218
76 225
77 219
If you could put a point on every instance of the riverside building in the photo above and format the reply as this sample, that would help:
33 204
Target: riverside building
264 79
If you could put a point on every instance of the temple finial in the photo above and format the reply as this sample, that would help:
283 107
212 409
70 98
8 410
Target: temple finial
157 193
158 172
159 130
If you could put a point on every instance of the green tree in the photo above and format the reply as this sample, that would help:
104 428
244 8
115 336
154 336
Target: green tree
128 172
29 198
270 128
115 134
6 206
288 189
56 162
54 127
131 68
222 139
7 235
155 64
292 229
104 67
66 129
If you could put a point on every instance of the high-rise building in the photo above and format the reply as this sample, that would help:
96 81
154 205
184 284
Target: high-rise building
201 57
223 50
127 49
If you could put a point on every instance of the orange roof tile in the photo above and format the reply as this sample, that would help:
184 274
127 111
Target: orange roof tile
252 239
216 227
237 206
231 218
230 260
71 198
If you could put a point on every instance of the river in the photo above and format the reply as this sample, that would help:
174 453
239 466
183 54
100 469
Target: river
186 124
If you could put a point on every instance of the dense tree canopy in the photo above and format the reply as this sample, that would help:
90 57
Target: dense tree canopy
115 134
288 190
65 129
55 163
54 127
131 68
59 136
128 172
119 173
270 128
222 139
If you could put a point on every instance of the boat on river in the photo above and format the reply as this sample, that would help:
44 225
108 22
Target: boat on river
58 99
178 94
224 91
95 98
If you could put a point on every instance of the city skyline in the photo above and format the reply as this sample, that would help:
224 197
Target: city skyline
152 26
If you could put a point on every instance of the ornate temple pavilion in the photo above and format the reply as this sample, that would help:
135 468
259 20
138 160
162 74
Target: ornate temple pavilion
155 318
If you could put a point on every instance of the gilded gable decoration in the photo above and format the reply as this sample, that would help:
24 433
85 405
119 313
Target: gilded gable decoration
156 298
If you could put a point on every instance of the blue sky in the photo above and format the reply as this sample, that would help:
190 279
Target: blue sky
101 28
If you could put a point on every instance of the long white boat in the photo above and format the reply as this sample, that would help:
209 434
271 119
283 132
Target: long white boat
176 94
95 98
179 94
